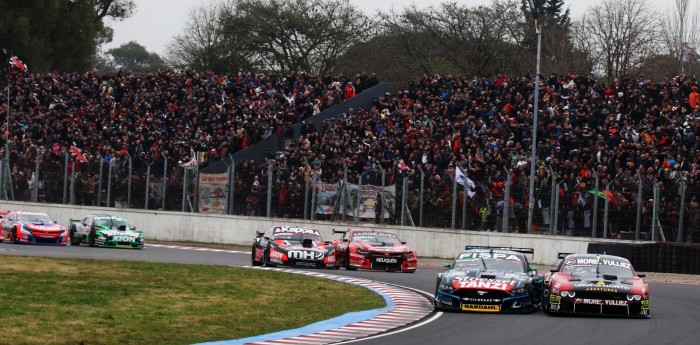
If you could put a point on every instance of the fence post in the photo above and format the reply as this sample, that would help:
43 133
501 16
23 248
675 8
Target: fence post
594 229
655 213
109 184
554 192
506 202
165 179
65 177
637 233
306 189
681 190
464 200
420 201
359 199
404 189
556 209
607 209
313 196
269 188
381 214
344 193
148 185
454 202
232 184
37 175
185 182
99 183
128 192
72 183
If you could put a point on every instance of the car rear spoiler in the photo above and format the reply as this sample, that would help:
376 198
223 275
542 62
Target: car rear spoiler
515 249
74 220
340 231
259 233
562 255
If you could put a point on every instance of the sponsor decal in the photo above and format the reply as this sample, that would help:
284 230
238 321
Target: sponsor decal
487 255
122 238
387 260
308 264
289 230
481 307
374 234
554 299
601 287
481 293
483 284
304 255
645 305
444 301
276 255
481 300
595 301
382 249
594 261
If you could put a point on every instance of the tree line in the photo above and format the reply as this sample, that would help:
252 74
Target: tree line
612 39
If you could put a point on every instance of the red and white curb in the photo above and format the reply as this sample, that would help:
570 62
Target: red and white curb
408 307
201 249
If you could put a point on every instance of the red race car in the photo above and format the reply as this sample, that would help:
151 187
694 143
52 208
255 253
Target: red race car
292 246
33 228
595 285
374 250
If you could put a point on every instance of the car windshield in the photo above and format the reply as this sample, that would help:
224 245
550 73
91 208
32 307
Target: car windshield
34 218
383 238
111 222
593 269
296 238
491 261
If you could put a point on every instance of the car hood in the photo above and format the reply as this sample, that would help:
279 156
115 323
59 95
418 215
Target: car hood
489 280
115 232
381 248
43 226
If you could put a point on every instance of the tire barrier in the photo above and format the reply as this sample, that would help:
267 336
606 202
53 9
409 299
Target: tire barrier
664 257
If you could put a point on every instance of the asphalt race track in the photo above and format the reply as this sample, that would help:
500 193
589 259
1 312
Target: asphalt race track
675 308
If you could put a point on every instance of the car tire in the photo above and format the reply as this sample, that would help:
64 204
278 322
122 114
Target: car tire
91 237
266 259
346 263
14 236
73 240
252 258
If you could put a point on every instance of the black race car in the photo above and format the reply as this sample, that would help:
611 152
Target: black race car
595 285
292 246
489 279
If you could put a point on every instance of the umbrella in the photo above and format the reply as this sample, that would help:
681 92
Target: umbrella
603 193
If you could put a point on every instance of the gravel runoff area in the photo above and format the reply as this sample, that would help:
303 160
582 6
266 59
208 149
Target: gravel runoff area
438 262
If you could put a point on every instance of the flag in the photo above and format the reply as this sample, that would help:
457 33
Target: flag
192 163
79 155
460 178
402 165
16 62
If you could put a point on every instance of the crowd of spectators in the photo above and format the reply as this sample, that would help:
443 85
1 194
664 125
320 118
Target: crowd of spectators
624 130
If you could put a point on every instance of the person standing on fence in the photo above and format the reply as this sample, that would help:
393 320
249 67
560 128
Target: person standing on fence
252 205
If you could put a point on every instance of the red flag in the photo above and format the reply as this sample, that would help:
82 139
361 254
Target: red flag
402 165
16 62
76 151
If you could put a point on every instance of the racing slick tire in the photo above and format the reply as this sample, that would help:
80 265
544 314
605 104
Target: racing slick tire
91 238
73 240
14 236
266 259
346 264
252 258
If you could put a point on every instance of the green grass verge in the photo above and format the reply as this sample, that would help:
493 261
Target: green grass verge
72 301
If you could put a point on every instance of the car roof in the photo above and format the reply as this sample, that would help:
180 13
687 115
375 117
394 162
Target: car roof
352 231
595 256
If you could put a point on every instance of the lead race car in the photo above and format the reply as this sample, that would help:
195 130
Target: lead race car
32 228
374 250
104 230
595 285
292 246
489 279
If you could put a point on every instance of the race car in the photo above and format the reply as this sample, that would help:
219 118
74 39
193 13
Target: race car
374 250
33 228
104 230
292 246
489 279
595 285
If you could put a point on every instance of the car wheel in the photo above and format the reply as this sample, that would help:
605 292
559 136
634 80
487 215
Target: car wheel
74 241
14 236
347 264
92 235
252 258
266 259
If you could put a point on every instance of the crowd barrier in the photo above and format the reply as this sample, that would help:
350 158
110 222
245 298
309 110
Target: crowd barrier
240 230
666 257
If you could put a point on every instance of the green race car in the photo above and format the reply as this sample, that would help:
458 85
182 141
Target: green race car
103 230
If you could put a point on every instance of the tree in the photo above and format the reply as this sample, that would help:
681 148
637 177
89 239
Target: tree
680 31
205 45
58 34
621 32
135 57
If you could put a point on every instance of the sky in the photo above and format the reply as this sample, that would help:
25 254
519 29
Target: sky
155 22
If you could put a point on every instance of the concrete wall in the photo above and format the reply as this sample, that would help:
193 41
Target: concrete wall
429 242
